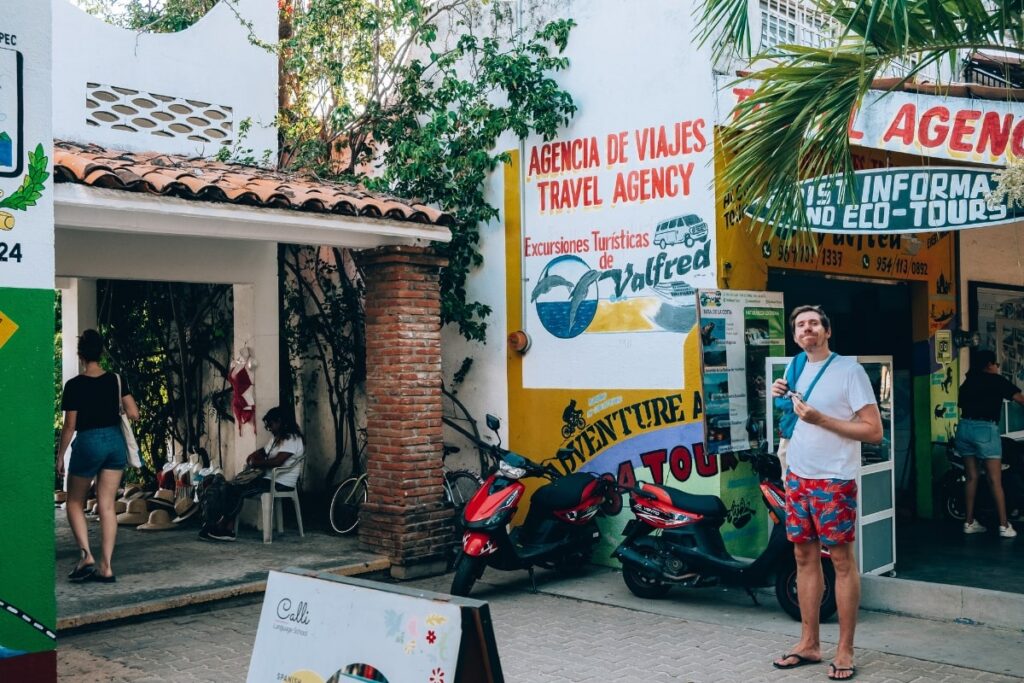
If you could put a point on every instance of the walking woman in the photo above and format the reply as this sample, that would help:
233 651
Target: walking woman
977 434
92 404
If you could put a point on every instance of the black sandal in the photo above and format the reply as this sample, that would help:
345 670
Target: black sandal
82 573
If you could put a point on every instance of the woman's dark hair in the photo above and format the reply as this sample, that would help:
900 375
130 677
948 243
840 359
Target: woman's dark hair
90 346
286 418
981 359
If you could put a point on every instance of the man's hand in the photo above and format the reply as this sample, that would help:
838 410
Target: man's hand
780 387
807 413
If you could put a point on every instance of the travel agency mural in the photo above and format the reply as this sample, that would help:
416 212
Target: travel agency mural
610 244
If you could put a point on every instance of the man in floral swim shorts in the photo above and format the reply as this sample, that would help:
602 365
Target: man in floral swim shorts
822 459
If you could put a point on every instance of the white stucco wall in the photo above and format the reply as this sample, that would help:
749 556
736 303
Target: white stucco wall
210 67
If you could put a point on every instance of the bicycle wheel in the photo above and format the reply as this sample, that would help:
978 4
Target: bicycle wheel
460 486
345 504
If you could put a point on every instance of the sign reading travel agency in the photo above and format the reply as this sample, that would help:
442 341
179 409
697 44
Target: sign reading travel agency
904 200
618 212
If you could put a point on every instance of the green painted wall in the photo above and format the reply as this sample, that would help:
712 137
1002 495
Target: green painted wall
27 452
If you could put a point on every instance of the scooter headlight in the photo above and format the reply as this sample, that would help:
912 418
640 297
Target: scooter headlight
510 471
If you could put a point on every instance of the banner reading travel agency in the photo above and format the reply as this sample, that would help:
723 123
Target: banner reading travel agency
618 212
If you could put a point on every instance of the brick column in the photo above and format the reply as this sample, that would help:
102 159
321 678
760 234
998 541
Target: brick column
404 517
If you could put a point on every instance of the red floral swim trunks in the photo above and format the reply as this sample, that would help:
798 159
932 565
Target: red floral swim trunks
823 509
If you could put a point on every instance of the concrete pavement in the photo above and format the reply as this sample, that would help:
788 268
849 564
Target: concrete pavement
580 630
160 570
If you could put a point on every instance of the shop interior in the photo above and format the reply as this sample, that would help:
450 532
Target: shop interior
872 317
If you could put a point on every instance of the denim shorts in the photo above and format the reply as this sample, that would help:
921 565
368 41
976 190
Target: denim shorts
97 449
978 439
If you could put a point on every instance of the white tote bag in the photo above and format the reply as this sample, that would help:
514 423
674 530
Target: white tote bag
134 457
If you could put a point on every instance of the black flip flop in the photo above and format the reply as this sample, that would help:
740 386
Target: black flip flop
81 573
800 661
101 579
833 669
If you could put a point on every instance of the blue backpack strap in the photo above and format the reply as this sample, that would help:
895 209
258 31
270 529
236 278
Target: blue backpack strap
792 375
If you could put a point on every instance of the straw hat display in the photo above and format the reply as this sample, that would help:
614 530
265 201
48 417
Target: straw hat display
132 491
59 497
135 513
158 521
163 499
185 509
120 506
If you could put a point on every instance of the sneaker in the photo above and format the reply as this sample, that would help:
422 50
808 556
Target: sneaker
218 535
1007 531
974 528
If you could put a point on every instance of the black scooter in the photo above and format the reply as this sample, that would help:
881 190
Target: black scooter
954 497
689 551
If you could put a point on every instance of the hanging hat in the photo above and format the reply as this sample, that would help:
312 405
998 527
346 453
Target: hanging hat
158 521
135 513
185 508
163 499
120 506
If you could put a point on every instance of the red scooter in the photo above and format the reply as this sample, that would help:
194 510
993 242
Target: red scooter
560 529
675 539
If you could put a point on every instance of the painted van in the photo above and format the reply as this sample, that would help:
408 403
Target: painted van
688 229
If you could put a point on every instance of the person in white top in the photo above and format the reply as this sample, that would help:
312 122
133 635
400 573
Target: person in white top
821 490
284 453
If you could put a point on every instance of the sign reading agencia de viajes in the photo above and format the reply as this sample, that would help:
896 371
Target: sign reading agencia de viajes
897 200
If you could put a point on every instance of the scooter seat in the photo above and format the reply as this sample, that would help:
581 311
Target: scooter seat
708 506
563 493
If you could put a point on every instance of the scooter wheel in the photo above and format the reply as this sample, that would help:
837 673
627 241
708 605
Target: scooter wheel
641 582
467 570
955 507
786 594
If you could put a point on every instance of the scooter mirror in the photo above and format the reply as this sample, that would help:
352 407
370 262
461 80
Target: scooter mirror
493 423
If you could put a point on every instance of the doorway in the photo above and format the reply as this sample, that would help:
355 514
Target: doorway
869 318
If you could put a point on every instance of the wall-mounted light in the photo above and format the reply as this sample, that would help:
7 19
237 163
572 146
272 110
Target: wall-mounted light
519 342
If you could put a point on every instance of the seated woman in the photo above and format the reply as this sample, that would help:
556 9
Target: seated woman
284 452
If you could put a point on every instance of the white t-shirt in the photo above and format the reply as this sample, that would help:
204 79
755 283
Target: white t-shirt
815 452
288 471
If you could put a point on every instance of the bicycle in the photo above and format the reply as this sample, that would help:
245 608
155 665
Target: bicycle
459 486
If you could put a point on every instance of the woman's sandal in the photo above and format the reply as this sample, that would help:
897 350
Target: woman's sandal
82 573
94 576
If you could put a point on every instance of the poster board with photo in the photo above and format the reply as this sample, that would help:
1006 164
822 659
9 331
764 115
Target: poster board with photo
738 331
320 628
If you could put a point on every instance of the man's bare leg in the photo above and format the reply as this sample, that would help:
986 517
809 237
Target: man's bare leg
810 584
848 602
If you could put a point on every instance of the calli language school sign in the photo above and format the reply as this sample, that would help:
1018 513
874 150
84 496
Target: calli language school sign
902 200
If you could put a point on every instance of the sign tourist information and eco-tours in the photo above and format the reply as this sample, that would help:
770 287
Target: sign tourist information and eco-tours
904 200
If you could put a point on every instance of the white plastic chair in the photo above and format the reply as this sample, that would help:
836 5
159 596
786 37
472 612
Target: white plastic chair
271 512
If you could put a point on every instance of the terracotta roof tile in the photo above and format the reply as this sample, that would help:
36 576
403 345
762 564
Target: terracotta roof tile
214 181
